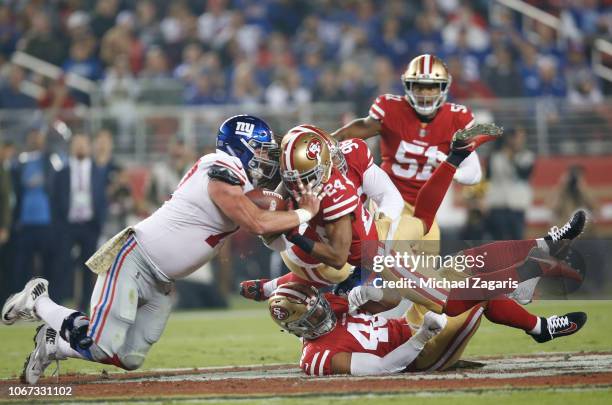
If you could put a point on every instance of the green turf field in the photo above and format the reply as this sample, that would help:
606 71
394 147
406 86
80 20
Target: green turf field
246 335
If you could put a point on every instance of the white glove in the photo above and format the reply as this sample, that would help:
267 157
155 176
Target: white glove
432 325
362 294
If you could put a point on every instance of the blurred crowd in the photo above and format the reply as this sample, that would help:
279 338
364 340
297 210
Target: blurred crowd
283 52
57 205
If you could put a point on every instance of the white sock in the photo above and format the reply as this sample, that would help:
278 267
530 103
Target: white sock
537 329
270 286
52 313
64 350
542 245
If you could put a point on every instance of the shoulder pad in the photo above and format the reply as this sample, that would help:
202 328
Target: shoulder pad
224 174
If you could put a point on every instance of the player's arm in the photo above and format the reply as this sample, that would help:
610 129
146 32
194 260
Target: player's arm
235 205
361 128
469 171
336 252
396 360
378 186
373 300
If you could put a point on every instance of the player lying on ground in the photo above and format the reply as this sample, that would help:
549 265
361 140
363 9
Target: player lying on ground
343 335
416 131
133 296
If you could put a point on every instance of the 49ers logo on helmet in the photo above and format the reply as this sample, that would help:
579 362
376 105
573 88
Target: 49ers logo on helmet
279 313
313 150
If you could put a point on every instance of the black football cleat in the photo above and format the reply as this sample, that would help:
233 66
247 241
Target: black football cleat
558 238
555 326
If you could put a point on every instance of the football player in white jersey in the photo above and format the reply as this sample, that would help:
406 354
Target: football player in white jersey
133 296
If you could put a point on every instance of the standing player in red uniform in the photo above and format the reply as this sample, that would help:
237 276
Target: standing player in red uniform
416 131
343 335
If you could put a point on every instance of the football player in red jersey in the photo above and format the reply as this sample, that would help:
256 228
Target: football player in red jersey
353 162
343 335
333 238
416 131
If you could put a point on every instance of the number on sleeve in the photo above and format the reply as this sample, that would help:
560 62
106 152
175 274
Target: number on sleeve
460 108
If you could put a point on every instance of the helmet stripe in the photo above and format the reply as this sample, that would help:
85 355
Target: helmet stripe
288 154
427 63
290 292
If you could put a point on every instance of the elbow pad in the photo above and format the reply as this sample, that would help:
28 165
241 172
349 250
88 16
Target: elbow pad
224 174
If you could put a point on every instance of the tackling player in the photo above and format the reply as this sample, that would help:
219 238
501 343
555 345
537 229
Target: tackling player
416 132
133 295
343 335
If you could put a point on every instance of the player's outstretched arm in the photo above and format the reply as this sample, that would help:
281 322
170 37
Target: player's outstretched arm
360 128
235 205
334 253
394 361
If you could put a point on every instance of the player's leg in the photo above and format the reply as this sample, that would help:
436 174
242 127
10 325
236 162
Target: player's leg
498 255
150 322
69 333
319 275
444 349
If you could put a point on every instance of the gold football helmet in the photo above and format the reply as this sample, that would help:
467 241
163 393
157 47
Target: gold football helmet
300 309
426 81
306 158
338 158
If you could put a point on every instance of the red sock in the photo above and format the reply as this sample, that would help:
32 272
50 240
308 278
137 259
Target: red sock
291 277
507 312
432 193
499 255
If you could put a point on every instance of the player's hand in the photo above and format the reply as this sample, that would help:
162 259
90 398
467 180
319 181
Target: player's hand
432 325
309 197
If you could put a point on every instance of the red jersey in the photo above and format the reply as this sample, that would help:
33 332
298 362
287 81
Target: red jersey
359 332
358 159
408 146
340 198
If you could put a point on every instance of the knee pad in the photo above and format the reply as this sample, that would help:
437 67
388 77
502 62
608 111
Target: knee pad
131 361
74 331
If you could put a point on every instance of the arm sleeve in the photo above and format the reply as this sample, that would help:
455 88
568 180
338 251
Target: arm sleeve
394 362
469 171
378 186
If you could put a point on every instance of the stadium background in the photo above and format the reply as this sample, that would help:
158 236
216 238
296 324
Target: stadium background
149 81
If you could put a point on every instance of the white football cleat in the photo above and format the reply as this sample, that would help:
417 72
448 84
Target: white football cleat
20 306
44 353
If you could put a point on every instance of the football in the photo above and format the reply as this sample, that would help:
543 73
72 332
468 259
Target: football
267 200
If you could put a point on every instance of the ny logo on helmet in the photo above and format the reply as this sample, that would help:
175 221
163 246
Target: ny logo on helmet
279 313
313 150
244 128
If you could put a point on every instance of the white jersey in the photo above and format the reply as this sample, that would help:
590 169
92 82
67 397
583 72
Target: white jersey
189 229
